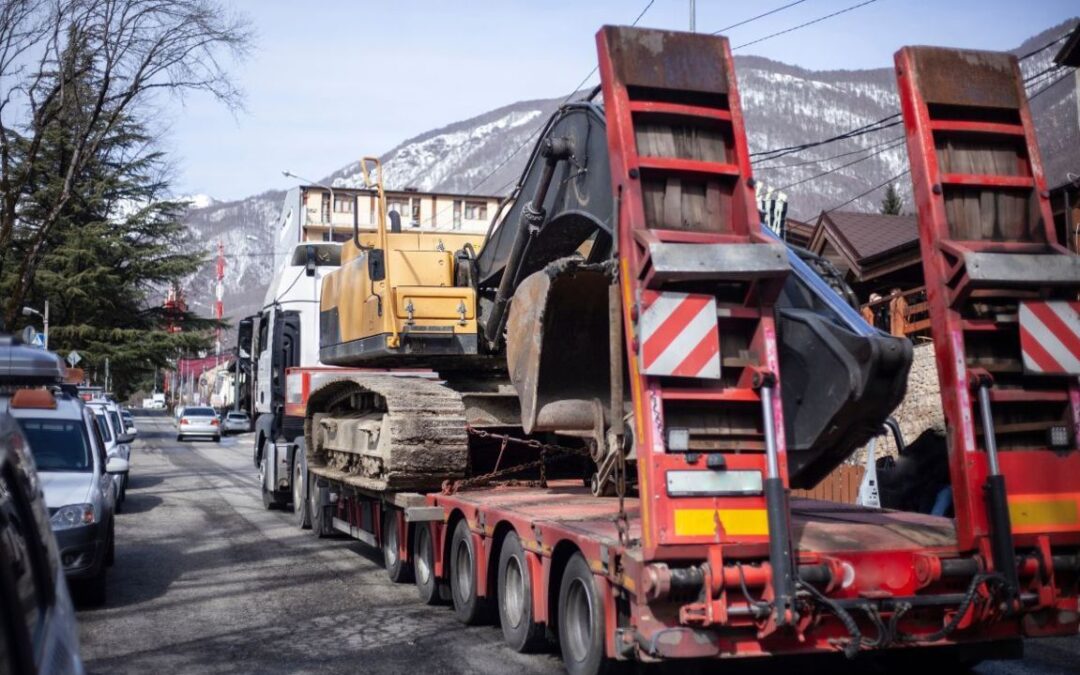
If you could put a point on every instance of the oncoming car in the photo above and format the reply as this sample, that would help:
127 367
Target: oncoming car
198 421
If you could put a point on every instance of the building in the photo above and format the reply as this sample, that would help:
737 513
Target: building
875 252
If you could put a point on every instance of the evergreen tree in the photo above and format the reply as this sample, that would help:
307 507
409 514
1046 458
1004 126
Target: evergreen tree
892 204
114 247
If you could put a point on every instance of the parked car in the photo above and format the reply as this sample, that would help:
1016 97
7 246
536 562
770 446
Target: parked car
116 442
41 634
236 421
129 423
198 421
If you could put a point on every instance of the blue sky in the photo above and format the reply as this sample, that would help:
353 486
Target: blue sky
330 80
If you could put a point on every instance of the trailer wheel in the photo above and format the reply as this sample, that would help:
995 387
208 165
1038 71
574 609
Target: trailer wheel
515 598
400 572
468 607
320 519
581 621
431 590
301 512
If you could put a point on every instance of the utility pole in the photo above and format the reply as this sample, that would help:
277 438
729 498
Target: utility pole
107 375
220 292
693 16
45 318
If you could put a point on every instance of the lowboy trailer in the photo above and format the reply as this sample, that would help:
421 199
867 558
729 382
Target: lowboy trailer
696 549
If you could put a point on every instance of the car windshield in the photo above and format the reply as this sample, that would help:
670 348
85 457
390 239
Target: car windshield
58 445
199 412
237 416
116 422
106 433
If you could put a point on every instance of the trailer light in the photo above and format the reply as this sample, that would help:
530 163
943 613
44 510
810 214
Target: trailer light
678 439
713 483
1058 436
848 577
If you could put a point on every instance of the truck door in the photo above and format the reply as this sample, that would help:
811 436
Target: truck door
285 353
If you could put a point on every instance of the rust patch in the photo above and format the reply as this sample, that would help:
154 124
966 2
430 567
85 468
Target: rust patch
668 60
966 77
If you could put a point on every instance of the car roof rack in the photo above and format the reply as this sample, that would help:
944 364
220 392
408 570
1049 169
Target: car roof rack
23 365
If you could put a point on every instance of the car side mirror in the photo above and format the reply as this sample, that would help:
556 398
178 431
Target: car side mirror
376 264
116 464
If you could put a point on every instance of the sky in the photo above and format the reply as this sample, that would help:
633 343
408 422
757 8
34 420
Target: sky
331 80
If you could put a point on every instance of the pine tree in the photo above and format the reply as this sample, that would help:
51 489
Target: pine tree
115 246
892 204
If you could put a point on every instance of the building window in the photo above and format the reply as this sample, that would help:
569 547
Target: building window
325 211
457 214
415 222
399 205
343 204
475 210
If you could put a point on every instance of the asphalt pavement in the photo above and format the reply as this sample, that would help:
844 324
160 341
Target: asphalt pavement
208 581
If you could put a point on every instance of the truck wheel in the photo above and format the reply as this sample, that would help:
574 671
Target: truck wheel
320 520
581 621
431 590
400 572
301 511
468 607
515 598
267 496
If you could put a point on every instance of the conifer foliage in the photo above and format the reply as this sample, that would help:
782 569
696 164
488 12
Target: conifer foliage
86 218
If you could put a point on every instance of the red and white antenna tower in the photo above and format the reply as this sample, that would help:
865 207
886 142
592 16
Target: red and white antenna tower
220 292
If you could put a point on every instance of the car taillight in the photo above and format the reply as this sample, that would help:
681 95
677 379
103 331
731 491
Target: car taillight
214 421
183 420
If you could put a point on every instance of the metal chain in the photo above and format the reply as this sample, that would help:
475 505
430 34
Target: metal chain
548 453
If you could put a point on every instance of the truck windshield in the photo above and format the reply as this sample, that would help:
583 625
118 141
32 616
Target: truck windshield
58 445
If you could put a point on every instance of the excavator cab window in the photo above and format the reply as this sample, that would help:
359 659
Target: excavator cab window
376 264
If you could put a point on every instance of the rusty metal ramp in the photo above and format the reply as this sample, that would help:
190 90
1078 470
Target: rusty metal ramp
828 527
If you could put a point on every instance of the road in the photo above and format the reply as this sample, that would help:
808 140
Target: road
207 581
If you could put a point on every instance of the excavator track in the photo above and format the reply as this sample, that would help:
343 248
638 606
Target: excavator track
388 433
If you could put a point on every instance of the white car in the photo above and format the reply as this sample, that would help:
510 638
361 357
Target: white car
117 440
236 421
198 421
129 423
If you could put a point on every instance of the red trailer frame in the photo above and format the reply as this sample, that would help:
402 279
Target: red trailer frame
746 573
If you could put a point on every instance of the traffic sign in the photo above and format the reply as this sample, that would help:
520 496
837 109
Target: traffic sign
73 358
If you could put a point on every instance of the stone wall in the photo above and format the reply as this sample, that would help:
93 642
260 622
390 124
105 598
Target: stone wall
921 407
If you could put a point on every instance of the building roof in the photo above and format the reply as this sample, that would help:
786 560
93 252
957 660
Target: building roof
871 243
799 232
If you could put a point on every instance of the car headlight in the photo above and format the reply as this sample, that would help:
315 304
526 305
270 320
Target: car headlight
73 515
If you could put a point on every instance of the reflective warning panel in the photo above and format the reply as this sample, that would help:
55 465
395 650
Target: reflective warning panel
1050 336
679 335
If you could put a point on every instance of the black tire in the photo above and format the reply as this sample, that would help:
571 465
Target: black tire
301 511
217 439
519 629
399 571
94 590
123 489
431 590
110 548
581 621
267 496
468 607
179 438
320 518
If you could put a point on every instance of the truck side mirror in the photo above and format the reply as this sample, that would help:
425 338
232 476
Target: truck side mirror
376 264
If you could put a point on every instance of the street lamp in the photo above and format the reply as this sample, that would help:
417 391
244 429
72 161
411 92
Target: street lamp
30 311
290 174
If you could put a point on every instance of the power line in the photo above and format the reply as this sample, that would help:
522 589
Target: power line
538 129
825 159
842 166
872 127
1048 45
876 187
759 16
1056 80
808 23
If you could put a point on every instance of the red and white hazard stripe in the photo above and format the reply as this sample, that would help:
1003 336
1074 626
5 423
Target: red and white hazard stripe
1050 337
678 335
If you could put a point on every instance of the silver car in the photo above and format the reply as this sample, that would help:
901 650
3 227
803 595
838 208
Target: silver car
236 421
198 421
75 472
37 610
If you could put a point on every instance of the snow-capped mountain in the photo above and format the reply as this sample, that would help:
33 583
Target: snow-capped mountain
783 106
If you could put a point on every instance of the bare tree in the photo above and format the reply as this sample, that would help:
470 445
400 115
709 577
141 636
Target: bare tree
86 65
